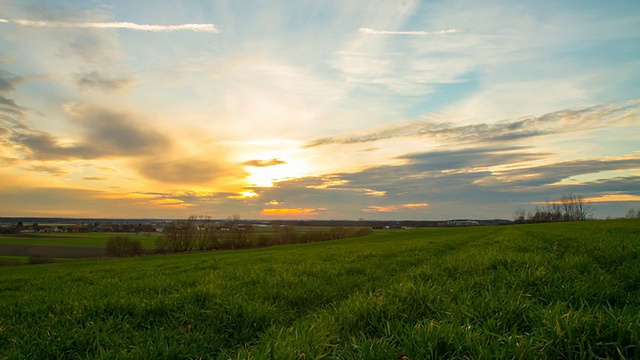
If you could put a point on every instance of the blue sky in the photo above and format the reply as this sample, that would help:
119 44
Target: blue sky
319 110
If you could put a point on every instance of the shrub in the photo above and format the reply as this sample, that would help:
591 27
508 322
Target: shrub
122 246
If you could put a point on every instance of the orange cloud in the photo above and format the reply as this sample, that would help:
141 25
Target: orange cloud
614 198
380 209
292 212
170 202
394 208
415 205
244 195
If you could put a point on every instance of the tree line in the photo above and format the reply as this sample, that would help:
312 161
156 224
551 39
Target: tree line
200 233
570 207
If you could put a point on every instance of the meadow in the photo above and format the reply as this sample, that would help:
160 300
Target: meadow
560 290
89 240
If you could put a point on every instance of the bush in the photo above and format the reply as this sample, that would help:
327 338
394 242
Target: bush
122 246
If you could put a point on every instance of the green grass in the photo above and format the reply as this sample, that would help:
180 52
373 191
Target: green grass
532 291
90 240
13 260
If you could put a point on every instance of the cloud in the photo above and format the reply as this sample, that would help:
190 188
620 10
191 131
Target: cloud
10 111
186 170
104 133
470 158
95 80
171 203
568 120
94 178
555 172
264 163
370 31
53 170
290 212
412 206
382 209
614 198
8 81
211 28
44 146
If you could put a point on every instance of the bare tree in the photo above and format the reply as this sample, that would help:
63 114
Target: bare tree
287 234
583 208
178 236
570 207
239 232
206 235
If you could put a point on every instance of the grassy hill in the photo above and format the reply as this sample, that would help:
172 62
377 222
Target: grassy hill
531 291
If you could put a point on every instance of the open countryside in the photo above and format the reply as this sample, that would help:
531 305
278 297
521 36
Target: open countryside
352 179
559 290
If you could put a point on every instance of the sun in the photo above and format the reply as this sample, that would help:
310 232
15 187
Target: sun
276 165
267 176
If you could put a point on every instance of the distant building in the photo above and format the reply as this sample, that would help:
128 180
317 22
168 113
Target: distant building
462 223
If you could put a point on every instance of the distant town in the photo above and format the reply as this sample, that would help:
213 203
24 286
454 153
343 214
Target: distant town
83 225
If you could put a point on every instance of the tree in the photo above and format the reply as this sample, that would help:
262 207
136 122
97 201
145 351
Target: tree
238 232
287 234
575 207
570 207
206 234
121 246
178 236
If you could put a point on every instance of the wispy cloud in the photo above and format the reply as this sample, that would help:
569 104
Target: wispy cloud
264 163
95 80
370 31
114 25
557 122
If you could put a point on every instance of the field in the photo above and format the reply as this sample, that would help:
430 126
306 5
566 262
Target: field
88 240
563 290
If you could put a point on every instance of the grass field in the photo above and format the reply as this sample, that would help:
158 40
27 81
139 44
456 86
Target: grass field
13 260
564 290
89 240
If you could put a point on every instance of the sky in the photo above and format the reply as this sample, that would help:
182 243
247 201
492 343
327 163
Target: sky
376 110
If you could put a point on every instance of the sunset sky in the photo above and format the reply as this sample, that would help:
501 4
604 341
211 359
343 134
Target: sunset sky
317 109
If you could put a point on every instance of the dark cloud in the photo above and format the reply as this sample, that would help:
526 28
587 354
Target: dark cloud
95 80
186 171
113 133
94 178
455 183
10 111
470 158
53 170
563 121
104 133
8 81
43 146
554 173
264 163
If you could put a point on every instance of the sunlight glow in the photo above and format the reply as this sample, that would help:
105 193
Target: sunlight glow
289 212
244 195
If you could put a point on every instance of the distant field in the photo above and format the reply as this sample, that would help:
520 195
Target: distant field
13 260
89 240
564 290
